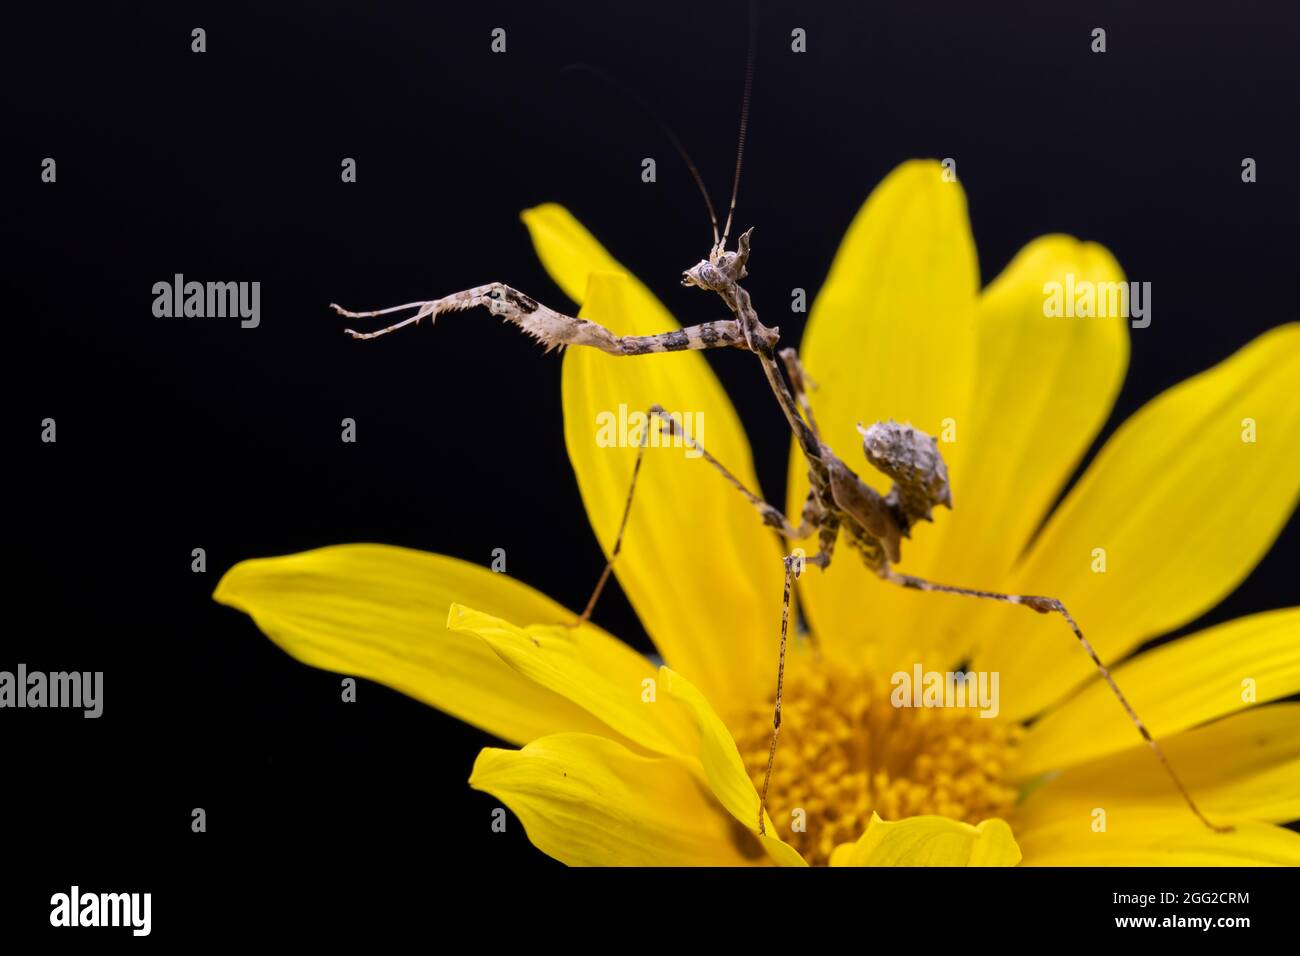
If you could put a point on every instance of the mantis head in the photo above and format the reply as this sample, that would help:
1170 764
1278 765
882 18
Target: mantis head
723 269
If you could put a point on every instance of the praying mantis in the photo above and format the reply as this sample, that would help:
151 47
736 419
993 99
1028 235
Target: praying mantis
839 503
839 506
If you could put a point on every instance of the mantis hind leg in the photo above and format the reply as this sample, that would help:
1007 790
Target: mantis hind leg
1049 605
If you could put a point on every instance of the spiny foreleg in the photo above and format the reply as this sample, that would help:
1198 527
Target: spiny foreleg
554 329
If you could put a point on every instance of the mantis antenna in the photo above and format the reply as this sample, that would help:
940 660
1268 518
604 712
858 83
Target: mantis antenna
744 120
663 128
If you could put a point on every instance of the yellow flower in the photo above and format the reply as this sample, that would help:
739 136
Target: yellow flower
623 764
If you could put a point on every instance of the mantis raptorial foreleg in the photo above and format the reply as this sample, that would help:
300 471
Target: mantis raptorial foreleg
555 329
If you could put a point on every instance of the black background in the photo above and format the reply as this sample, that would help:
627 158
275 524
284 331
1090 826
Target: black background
176 434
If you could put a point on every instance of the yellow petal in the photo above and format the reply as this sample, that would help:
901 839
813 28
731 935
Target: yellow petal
1182 507
1246 766
1158 838
570 253
891 335
930 841
1175 686
724 769
607 679
1044 388
379 612
589 801
699 567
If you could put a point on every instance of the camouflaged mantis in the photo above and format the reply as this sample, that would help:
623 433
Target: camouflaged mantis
839 506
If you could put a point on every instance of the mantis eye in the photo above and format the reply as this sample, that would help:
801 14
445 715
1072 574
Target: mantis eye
494 294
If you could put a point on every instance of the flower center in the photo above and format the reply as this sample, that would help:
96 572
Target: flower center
846 750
